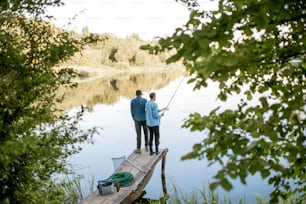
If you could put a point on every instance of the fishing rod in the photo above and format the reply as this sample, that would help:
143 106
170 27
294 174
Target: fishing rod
174 94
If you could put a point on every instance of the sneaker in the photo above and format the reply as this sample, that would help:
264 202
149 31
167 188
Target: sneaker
146 147
137 151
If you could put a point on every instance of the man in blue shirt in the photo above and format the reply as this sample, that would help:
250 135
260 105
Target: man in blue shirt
153 121
139 116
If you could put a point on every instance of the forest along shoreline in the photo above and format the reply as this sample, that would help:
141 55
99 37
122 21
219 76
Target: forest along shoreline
87 73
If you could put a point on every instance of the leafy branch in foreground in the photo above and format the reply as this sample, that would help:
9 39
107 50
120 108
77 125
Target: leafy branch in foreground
34 142
255 49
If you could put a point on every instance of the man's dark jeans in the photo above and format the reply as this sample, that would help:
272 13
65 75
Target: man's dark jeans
138 125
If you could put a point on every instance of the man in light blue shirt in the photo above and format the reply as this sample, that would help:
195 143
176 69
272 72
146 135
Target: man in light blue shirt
153 121
138 114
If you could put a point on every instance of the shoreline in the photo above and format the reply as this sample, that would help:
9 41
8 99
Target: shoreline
91 73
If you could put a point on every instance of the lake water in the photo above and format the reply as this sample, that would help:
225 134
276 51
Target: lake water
109 103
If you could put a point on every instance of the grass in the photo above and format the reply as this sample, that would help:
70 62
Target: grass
199 196
203 196
76 192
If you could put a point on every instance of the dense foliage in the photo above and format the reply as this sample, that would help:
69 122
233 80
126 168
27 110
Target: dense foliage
34 143
254 49
112 51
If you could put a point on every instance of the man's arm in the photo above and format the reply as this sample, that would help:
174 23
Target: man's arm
132 109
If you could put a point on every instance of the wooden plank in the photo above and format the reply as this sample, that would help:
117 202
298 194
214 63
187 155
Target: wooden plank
141 166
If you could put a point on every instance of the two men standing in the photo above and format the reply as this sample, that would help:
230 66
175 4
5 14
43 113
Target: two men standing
146 114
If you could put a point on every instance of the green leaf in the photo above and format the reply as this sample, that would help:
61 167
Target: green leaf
265 173
222 96
226 184
214 185
204 43
144 47
174 58
211 34
262 89
264 102
249 95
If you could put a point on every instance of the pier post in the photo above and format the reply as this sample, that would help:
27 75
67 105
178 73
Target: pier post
163 174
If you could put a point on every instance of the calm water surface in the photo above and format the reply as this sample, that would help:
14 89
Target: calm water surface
117 137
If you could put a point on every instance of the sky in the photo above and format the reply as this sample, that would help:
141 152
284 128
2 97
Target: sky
147 18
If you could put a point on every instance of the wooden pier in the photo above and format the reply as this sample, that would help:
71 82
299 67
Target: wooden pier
141 166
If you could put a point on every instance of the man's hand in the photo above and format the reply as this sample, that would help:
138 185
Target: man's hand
165 109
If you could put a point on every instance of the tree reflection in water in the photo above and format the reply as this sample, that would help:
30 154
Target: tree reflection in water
109 89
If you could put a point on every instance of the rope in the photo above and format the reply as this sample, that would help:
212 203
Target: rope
124 178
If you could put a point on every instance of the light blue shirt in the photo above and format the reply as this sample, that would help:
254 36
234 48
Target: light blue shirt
152 114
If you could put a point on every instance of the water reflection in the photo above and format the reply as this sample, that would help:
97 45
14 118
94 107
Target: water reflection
109 89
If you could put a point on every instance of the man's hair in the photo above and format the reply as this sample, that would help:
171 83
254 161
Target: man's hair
152 94
138 92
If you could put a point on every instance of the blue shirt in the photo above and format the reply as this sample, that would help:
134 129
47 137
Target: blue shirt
152 114
138 111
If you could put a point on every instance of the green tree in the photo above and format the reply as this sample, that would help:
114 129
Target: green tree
34 142
249 47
